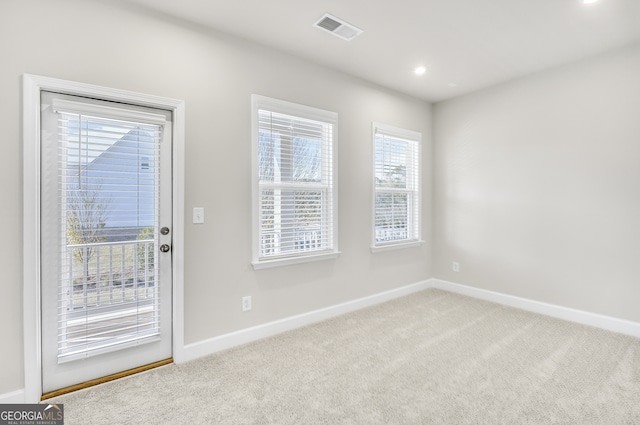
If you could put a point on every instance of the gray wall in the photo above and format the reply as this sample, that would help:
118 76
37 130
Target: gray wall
537 186
125 48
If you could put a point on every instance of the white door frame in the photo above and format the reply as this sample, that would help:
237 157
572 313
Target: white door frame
32 85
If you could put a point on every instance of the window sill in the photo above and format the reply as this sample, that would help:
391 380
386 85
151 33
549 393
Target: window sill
286 261
394 246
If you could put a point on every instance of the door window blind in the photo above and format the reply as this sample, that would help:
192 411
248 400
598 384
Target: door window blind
108 173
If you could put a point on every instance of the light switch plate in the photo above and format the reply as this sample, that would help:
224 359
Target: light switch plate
198 215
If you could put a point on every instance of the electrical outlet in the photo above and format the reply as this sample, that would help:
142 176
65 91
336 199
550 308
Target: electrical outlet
246 303
455 266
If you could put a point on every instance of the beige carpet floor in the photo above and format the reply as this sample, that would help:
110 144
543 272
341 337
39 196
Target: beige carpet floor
429 358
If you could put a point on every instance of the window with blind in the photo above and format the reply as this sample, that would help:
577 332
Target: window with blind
397 187
108 172
295 199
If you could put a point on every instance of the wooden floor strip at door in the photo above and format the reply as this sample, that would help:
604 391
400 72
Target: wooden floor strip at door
104 379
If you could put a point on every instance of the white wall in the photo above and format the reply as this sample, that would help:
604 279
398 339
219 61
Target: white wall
537 186
121 47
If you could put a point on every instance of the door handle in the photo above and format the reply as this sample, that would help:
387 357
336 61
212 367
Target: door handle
165 247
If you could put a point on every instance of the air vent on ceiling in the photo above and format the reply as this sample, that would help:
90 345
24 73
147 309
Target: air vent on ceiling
338 27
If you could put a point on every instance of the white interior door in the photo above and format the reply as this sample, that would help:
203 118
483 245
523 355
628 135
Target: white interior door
105 258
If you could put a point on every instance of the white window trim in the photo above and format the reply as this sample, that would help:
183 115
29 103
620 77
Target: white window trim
280 106
32 85
392 246
401 133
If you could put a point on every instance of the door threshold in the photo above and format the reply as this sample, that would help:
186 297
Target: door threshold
104 379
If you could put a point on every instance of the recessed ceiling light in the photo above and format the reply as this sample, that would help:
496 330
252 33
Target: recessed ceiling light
420 70
589 1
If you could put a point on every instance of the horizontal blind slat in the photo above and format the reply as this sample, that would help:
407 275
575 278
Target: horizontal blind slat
396 171
295 178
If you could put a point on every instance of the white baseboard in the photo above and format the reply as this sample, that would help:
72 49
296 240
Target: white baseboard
243 336
223 342
613 324
14 397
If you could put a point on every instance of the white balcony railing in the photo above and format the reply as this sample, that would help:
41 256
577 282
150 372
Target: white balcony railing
102 276
388 235
300 240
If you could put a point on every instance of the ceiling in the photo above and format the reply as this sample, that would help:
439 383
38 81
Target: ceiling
465 45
